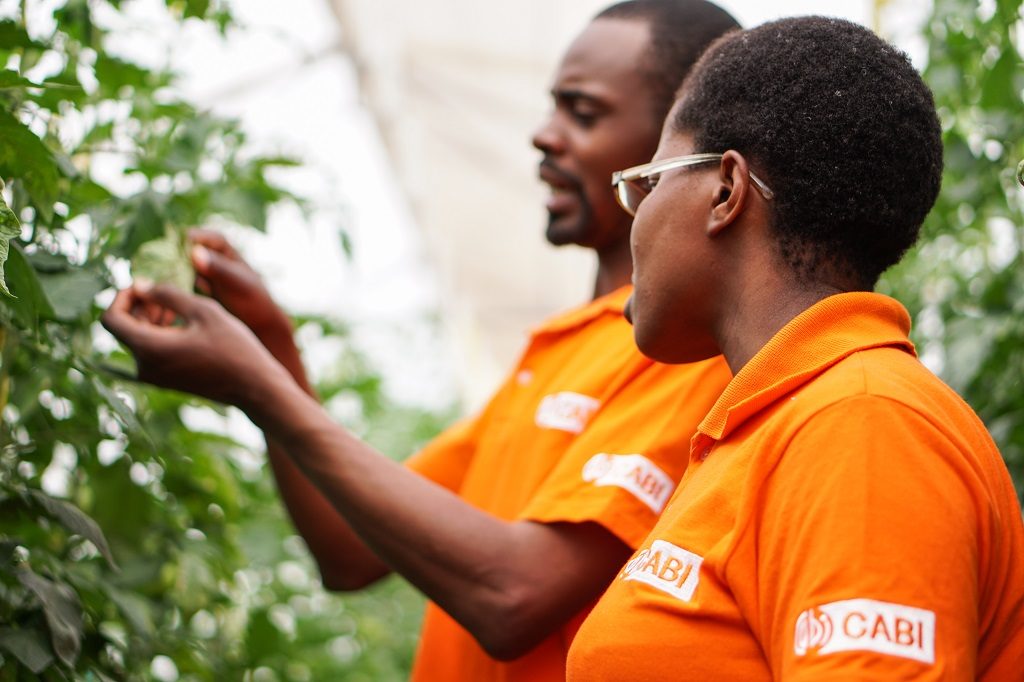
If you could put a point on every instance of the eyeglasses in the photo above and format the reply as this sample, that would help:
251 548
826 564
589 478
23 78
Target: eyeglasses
633 184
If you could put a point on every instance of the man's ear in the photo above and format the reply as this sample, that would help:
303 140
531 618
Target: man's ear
730 198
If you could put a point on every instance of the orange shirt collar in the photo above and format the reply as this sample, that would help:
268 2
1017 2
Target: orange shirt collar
814 340
613 303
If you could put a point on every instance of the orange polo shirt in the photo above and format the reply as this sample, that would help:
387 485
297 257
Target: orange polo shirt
845 516
585 429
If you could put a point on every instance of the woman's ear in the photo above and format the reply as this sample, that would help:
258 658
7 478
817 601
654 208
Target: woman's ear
730 195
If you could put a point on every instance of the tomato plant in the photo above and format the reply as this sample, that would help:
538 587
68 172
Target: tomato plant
135 543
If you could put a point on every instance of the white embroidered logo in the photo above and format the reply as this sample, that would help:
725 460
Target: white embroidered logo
634 473
866 625
565 411
666 567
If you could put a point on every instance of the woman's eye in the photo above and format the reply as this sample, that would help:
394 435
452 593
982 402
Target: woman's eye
650 182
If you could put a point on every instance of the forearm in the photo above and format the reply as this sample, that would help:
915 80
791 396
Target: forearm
278 338
465 560
345 562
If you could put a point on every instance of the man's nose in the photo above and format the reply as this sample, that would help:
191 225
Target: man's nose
548 139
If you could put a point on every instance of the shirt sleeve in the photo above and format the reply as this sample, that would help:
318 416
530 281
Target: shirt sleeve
622 469
445 459
868 550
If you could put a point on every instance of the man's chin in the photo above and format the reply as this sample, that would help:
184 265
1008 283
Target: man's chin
564 230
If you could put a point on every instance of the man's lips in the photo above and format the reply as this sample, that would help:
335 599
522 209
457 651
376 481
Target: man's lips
565 188
558 179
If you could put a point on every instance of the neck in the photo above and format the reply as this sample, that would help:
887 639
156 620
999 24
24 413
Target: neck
758 293
752 323
614 268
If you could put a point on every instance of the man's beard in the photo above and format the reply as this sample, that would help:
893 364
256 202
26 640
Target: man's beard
560 231
561 228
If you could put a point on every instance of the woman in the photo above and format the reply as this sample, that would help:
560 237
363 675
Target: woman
844 514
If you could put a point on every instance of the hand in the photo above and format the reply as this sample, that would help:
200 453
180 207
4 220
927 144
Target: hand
223 274
191 344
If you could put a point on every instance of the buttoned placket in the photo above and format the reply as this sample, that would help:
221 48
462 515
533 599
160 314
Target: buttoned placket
701 447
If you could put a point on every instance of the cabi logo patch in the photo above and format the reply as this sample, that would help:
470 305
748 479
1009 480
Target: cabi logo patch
634 473
565 411
866 625
666 567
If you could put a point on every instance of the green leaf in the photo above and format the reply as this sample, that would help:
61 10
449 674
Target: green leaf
55 91
13 35
998 86
8 548
71 293
115 74
46 262
29 647
190 142
10 228
76 521
146 225
97 674
276 161
346 243
115 403
197 8
262 634
30 304
75 20
24 156
13 79
87 194
101 132
63 614
135 609
164 260
243 205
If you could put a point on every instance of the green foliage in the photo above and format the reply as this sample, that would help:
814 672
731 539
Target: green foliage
9 229
134 544
965 282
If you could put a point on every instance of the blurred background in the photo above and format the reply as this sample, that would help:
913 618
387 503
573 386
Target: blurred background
371 158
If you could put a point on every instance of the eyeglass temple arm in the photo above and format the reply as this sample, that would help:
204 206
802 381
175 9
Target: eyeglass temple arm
761 187
638 172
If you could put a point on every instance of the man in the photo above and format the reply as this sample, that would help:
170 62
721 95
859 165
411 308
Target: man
845 516
519 517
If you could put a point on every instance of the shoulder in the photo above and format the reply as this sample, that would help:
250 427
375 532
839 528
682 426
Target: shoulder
888 384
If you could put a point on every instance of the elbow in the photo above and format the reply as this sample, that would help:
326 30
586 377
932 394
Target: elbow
343 583
335 580
505 647
510 629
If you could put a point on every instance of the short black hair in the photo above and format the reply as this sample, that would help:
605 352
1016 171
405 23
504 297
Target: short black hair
840 126
680 31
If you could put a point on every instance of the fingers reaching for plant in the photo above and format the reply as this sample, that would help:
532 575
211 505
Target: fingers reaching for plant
225 276
188 343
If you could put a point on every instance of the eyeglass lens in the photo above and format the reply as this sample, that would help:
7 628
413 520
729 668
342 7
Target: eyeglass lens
631 193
